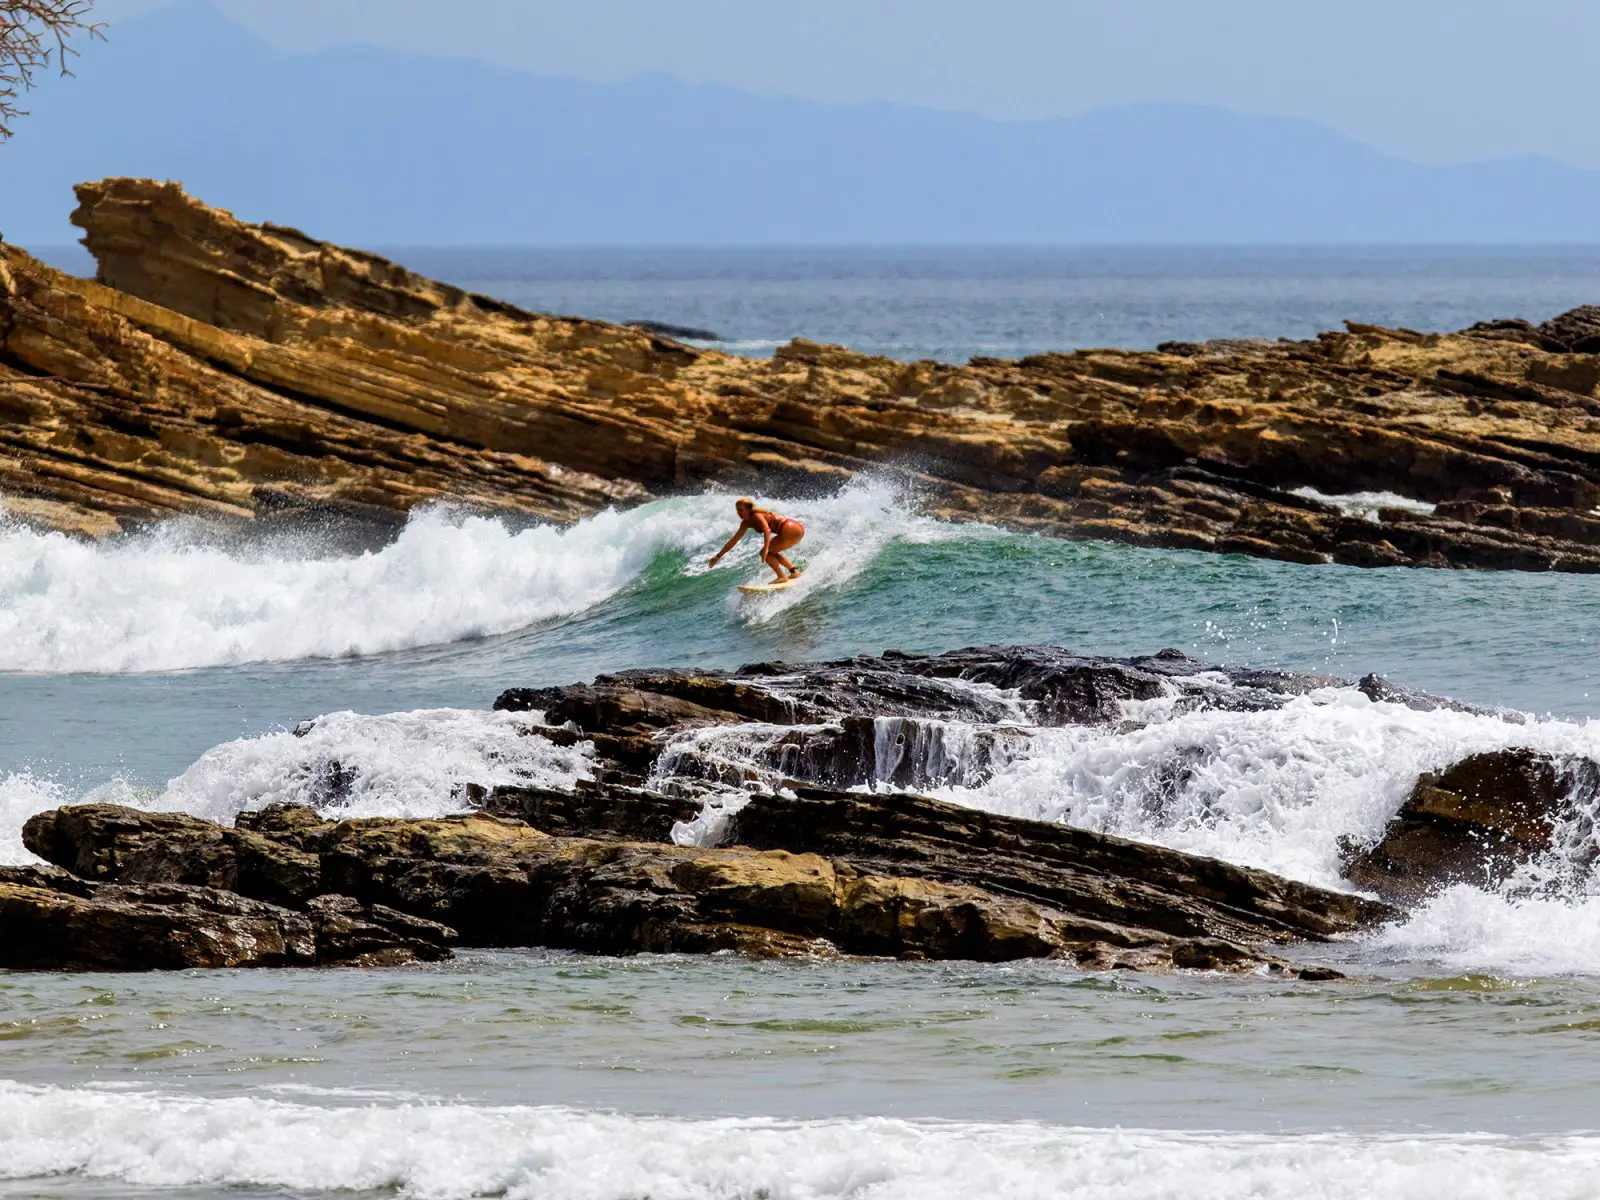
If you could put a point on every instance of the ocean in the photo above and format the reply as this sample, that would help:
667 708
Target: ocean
168 670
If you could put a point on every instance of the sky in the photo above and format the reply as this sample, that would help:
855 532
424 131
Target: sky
1428 80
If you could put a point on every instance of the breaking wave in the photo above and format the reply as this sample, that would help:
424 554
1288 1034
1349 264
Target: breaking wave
1284 790
453 1151
175 598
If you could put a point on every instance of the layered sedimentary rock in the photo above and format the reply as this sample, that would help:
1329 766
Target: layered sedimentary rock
55 920
396 884
249 372
1479 821
774 810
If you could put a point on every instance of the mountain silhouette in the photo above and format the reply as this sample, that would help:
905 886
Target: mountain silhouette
381 148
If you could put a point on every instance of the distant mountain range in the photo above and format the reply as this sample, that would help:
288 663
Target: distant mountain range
378 148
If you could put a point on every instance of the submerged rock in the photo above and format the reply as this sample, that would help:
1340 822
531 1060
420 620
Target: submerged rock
257 376
1477 822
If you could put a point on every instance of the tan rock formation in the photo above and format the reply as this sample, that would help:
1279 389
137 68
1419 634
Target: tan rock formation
244 371
502 882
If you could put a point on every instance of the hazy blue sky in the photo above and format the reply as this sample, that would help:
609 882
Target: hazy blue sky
1432 80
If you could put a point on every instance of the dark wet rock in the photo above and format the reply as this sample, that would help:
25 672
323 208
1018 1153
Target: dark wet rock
147 928
1075 870
808 866
1477 822
108 842
350 933
1576 331
1377 688
589 809
1514 329
501 882
684 332
905 720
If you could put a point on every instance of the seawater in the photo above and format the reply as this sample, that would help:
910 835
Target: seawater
170 669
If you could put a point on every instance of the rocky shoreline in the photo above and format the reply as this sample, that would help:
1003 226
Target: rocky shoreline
771 811
256 377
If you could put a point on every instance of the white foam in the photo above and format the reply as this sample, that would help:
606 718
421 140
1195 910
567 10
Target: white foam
408 764
173 600
844 535
1274 789
1464 929
1368 505
21 795
451 1151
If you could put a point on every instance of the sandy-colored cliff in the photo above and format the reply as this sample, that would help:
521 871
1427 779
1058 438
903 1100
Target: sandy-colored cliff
250 373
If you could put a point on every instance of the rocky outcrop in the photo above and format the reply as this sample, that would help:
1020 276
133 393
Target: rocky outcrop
501 882
903 720
1075 870
52 920
1479 821
250 373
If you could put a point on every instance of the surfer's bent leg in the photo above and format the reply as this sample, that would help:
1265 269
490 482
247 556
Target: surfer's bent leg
788 536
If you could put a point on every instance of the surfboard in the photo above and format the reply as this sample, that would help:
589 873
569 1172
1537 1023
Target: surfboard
752 589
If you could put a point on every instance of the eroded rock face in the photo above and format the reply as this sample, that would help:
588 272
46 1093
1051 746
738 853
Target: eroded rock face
104 842
1477 822
253 374
132 890
501 882
148 927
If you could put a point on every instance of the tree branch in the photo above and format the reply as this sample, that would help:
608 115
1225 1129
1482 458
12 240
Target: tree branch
34 35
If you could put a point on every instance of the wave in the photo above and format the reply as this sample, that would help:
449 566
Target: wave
1282 790
344 764
1368 506
176 599
452 1151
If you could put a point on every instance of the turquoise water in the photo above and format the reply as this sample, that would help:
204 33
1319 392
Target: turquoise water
166 670
1518 640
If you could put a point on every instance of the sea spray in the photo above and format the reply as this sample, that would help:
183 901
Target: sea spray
177 597
448 1151
174 599
1276 789
345 764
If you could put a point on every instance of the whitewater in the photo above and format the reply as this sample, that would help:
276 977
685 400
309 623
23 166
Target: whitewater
181 671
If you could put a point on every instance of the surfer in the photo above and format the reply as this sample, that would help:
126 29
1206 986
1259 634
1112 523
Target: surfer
777 535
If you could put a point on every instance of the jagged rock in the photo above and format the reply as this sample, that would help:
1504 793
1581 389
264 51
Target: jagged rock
1376 687
908 721
350 933
108 842
501 882
1477 822
250 373
667 329
1096 875
591 809
147 928
1576 331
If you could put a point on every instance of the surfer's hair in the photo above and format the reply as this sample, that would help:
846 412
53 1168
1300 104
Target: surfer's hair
744 502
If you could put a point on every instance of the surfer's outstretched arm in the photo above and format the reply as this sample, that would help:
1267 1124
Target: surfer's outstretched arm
732 542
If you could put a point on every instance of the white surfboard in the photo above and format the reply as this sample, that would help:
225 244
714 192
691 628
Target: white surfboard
777 585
